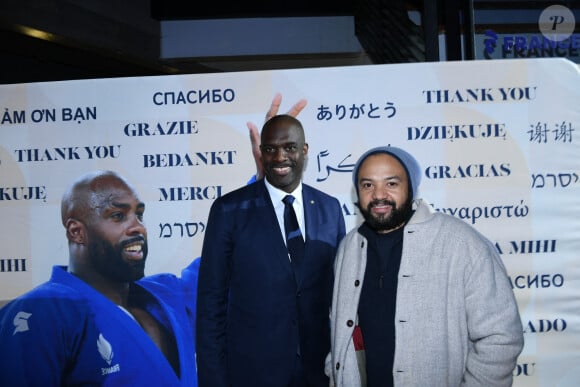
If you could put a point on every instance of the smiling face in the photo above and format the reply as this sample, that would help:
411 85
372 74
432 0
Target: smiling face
116 234
283 152
110 217
383 191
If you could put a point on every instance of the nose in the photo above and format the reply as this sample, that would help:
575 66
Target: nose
381 193
280 153
136 227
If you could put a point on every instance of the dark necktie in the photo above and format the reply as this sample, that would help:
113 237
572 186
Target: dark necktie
294 240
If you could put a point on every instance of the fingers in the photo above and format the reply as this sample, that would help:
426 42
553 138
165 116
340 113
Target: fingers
276 101
255 141
297 107
254 135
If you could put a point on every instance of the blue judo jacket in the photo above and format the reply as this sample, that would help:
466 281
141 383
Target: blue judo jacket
66 333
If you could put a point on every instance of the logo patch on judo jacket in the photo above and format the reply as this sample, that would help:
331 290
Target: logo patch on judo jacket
21 322
106 350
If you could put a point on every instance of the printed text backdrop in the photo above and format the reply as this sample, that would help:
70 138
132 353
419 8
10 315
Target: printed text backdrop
499 143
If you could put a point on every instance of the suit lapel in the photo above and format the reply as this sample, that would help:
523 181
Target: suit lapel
272 229
311 223
310 214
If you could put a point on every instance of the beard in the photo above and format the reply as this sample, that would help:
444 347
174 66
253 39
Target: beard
108 260
382 223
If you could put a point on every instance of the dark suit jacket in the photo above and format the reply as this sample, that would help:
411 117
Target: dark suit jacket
251 311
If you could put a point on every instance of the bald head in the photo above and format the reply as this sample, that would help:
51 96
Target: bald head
88 194
283 121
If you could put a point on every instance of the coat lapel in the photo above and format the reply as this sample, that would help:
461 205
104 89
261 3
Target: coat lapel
269 222
310 215
311 224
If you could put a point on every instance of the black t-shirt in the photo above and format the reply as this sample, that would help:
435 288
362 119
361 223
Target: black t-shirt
376 309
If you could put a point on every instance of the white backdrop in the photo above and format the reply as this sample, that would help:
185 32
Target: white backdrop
498 141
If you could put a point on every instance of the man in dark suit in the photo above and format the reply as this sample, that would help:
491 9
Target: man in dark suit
262 311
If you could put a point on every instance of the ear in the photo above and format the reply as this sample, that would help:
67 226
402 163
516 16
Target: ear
305 149
75 231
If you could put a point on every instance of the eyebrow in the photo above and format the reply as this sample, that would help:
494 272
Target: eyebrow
395 177
282 144
126 206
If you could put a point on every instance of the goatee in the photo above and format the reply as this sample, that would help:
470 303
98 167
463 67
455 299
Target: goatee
385 223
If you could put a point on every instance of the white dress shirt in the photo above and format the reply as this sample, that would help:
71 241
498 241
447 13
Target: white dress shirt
276 195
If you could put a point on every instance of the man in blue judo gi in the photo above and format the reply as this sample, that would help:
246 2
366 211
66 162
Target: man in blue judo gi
99 321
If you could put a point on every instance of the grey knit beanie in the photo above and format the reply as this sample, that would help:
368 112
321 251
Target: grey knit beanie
409 163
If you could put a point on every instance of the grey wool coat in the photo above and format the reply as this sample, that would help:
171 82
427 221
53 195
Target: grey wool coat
456 320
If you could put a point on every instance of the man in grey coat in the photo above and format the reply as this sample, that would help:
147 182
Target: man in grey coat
420 298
